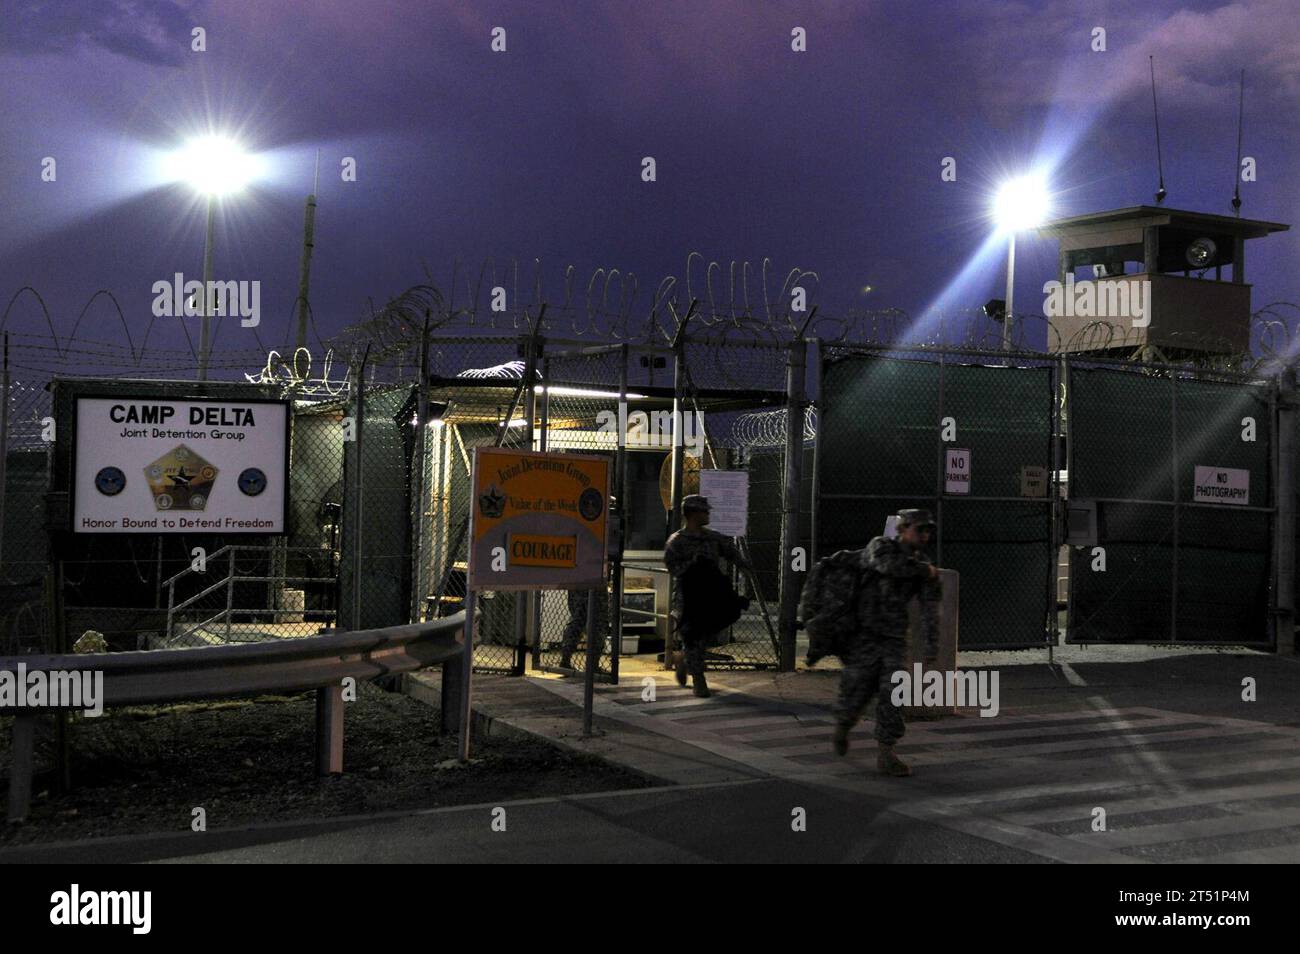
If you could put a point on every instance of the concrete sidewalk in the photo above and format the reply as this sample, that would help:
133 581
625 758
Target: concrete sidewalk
543 706
671 748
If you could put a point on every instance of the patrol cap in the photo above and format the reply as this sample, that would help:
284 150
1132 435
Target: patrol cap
695 502
915 518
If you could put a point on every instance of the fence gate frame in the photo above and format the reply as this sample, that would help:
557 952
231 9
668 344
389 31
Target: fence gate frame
936 496
1279 394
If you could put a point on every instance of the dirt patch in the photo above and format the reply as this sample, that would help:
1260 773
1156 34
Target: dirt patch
250 761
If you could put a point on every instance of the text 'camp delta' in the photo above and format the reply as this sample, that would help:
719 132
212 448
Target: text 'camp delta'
163 413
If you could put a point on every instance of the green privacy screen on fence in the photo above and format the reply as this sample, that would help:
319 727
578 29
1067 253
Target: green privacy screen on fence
881 448
379 462
1176 567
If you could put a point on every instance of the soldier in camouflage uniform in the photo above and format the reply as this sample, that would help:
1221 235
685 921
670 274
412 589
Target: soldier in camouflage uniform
578 623
900 571
695 541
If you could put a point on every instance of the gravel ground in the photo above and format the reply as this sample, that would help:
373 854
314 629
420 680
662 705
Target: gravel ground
250 761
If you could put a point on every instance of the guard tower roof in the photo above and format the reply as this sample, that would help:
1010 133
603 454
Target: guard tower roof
1152 215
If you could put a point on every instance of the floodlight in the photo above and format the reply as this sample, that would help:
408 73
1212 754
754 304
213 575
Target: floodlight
214 165
1021 203
1201 252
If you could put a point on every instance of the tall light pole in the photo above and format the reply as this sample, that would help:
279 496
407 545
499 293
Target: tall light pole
215 166
1022 203
1010 294
304 266
205 319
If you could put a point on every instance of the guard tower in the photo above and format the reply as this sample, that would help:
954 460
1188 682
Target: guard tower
1175 265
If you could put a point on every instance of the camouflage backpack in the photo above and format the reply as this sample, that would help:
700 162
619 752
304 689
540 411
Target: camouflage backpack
828 604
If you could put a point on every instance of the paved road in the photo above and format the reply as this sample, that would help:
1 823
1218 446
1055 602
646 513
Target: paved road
1175 785
1190 780
729 822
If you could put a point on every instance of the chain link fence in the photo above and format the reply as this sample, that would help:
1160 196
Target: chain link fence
1179 470
24 549
385 427
966 437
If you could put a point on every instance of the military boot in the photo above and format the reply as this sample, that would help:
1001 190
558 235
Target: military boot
891 764
702 687
680 669
840 740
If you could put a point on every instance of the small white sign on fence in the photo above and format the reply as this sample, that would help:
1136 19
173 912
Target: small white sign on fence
1221 485
728 493
956 472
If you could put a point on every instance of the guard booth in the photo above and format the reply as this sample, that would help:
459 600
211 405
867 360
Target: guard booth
1158 282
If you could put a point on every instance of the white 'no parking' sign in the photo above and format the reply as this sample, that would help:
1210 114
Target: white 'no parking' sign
956 471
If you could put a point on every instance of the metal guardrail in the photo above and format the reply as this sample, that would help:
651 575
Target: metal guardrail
210 672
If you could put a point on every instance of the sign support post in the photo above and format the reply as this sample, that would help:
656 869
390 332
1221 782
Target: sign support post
593 656
467 669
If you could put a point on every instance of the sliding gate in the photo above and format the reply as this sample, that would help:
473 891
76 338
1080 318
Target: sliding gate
967 437
1178 472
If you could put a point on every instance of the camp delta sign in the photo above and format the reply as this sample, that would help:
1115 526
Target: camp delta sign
538 521
156 465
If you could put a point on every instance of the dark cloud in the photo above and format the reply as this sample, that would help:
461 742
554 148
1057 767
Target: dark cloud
150 31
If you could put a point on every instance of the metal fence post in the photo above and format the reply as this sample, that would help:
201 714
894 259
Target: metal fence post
4 443
795 402
1284 527
620 489
420 474
1057 426
1067 375
543 437
1173 594
939 484
358 430
525 598
816 399
593 659
678 453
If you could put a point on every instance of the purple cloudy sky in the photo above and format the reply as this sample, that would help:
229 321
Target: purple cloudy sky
827 160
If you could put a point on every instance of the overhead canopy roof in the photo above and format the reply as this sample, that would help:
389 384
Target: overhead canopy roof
1141 216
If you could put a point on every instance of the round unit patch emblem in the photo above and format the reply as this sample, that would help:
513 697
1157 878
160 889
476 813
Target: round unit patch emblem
110 481
252 482
591 503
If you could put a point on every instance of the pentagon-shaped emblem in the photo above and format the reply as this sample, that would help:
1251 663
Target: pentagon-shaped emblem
180 480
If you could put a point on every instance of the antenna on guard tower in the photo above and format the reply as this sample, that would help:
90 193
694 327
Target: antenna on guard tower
1160 192
1236 173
